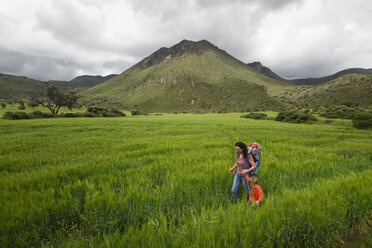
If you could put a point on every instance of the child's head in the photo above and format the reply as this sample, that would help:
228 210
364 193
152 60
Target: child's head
254 181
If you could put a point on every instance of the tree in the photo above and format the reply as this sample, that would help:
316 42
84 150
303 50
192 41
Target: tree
56 99
34 102
3 105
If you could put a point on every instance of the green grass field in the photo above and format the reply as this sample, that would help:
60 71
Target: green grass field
163 181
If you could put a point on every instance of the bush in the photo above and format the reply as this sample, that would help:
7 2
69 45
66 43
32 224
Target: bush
342 112
117 112
362 120
257 116
295 117
96 110
24 115
137 112
39 114
99 111
16 116
22 107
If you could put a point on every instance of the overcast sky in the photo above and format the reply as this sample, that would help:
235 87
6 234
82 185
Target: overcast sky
61 39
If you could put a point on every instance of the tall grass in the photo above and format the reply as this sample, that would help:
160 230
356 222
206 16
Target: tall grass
163 181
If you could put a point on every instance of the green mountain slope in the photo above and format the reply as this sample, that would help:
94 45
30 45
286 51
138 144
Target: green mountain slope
350 89
20 87
316 81
186 77
83 82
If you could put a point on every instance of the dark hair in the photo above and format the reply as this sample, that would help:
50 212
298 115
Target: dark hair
243 146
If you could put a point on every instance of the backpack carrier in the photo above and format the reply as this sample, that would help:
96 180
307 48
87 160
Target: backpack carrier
255 150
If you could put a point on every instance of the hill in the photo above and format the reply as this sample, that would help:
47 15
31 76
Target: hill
350 90
189 76
316 81
83 82
20 87
266 71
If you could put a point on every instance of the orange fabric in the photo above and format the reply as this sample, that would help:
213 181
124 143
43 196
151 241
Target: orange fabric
247 177
256 194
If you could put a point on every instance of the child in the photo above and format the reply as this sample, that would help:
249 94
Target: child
256 193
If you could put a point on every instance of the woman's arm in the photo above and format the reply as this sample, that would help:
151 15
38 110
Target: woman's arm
233 168
252 163
253 166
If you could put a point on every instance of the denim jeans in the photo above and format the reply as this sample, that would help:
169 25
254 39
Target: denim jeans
235 188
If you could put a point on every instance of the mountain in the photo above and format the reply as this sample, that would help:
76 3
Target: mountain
83 82
316 81
20 87
266 71
350 89
188 76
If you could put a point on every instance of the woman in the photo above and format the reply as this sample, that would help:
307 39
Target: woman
242 169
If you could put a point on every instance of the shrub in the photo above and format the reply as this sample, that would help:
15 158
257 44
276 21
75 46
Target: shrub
69 115
96 110
24 115
362 120
137 112
39 114
342 112
16 115
99 111
295 117
117 112
257 116
22 107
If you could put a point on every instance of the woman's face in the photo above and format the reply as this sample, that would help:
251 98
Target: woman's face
238 149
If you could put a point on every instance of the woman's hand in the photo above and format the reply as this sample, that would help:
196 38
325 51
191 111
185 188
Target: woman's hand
245 171
231 169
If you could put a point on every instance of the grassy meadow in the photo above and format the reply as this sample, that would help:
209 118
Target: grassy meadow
163 181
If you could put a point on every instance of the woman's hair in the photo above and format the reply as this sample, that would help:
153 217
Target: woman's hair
254 180
244 148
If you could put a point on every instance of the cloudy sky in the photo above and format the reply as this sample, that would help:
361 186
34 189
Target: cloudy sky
61 39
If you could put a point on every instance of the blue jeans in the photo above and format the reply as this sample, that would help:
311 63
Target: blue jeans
235 188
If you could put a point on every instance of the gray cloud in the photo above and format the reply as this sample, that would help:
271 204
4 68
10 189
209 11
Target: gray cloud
38 67
295 38
70 22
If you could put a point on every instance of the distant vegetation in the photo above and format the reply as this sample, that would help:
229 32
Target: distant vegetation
362 120
257 116
317 81
82 83
91 112
342 112
353 90
19 87
296 116
137 112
